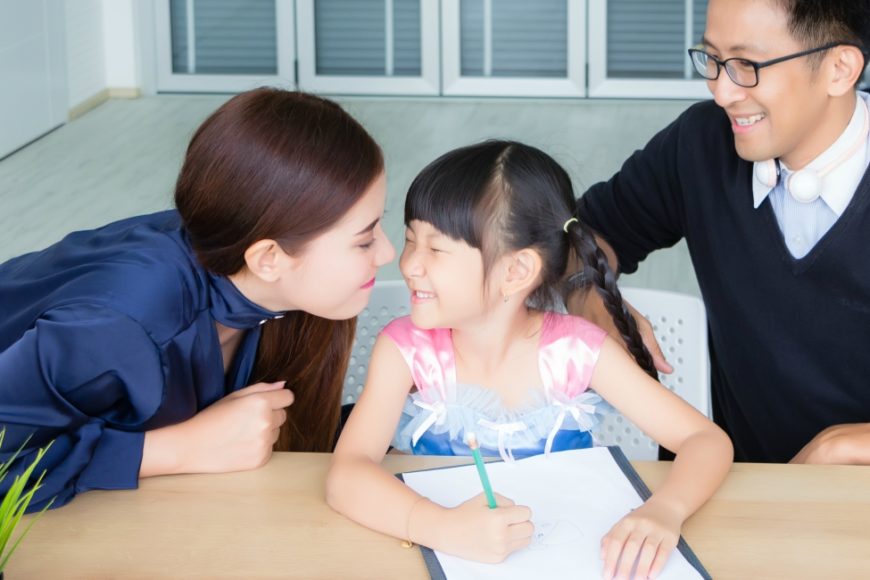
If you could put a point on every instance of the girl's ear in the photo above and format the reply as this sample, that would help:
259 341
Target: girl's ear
266 260
522 273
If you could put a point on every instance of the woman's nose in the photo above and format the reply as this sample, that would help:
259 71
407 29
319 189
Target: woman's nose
386 251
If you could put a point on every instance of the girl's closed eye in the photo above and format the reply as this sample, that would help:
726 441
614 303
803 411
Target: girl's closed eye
367 245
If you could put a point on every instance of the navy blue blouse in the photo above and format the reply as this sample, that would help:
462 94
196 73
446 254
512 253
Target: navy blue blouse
105 335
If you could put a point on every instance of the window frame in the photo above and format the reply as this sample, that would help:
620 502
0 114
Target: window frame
573 86
428 83
602 86
169 81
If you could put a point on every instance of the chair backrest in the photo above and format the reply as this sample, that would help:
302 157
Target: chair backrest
679 322
680 325
390 299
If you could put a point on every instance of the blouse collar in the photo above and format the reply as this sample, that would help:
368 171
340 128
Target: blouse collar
229 307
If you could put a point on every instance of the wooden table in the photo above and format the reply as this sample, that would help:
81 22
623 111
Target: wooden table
767 521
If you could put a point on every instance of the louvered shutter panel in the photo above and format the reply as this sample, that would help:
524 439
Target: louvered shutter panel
648 39
228 37
528 39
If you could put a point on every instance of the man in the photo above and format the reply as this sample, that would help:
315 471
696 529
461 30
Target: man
768 185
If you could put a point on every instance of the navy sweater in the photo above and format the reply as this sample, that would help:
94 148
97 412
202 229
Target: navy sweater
788 337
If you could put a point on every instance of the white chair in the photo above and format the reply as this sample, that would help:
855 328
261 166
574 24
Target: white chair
680 325
679 322
390 299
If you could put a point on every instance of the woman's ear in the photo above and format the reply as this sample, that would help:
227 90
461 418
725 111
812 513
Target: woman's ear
848 66
522 273
266 260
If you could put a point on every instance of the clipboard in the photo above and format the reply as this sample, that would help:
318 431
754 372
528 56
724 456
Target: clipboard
442 566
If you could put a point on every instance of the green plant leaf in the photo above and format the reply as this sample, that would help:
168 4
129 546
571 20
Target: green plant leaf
4 466
16 500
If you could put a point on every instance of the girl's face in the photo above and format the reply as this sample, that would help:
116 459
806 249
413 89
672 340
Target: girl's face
333 276
445 277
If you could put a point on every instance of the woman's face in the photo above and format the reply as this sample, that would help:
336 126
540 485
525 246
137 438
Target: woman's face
333 275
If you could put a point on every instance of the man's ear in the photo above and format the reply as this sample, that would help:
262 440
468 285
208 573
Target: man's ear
522 272
847 67
265 259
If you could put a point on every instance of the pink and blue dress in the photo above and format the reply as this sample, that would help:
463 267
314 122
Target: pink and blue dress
556 416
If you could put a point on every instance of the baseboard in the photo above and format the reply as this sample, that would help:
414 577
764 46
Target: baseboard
125 93
98 99
88 104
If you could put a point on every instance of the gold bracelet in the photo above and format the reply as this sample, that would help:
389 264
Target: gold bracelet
407 543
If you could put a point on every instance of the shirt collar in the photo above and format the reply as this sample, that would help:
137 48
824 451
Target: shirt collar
231 308
839 184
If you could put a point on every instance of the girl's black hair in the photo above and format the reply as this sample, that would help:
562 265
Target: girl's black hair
503 196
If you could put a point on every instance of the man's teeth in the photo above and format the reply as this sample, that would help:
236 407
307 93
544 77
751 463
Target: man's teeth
746 121
420 294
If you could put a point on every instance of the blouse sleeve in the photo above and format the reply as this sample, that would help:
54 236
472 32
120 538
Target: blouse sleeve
87 378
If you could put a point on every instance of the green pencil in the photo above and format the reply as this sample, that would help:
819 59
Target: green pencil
471 441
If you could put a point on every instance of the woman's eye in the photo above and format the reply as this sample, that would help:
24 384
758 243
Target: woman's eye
367 245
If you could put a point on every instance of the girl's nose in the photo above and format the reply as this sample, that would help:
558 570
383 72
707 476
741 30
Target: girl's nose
410 263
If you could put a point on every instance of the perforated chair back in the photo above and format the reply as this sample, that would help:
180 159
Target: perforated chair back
680 325
390 299
678 319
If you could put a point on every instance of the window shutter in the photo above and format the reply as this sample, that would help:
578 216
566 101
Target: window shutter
227 37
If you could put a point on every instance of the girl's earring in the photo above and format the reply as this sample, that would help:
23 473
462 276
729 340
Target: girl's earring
505 297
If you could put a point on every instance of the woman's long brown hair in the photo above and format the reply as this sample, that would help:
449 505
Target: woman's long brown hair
281 165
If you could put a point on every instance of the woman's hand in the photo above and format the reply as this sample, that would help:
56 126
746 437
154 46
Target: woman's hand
474 531
234 434
647 536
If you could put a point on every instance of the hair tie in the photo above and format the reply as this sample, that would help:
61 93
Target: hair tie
568 223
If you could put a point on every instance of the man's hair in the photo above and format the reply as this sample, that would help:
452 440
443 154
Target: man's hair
818 22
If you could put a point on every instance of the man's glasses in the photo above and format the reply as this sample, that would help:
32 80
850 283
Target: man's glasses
740 70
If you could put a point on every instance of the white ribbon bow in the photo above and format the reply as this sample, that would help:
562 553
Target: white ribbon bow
504 429
564 409
437 414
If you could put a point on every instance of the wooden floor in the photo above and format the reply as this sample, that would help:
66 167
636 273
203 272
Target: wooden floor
122 159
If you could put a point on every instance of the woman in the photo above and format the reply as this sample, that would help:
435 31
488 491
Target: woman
191 341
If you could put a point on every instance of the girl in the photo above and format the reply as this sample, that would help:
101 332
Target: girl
163 343
488 239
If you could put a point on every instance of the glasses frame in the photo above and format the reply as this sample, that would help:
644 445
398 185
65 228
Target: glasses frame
757 66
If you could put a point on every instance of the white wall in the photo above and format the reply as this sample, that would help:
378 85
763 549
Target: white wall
123 67
102 51
33 94
85 50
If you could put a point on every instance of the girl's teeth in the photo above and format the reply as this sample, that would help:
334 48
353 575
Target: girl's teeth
424 294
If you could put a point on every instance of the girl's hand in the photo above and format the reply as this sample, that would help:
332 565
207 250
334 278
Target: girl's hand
234 434
647 536
476 532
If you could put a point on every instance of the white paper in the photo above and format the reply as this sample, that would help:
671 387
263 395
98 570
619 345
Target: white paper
575 497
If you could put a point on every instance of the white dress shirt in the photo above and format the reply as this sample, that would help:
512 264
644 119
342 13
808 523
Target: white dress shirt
804 224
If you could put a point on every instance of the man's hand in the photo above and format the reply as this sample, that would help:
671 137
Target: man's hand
590 306
847 444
